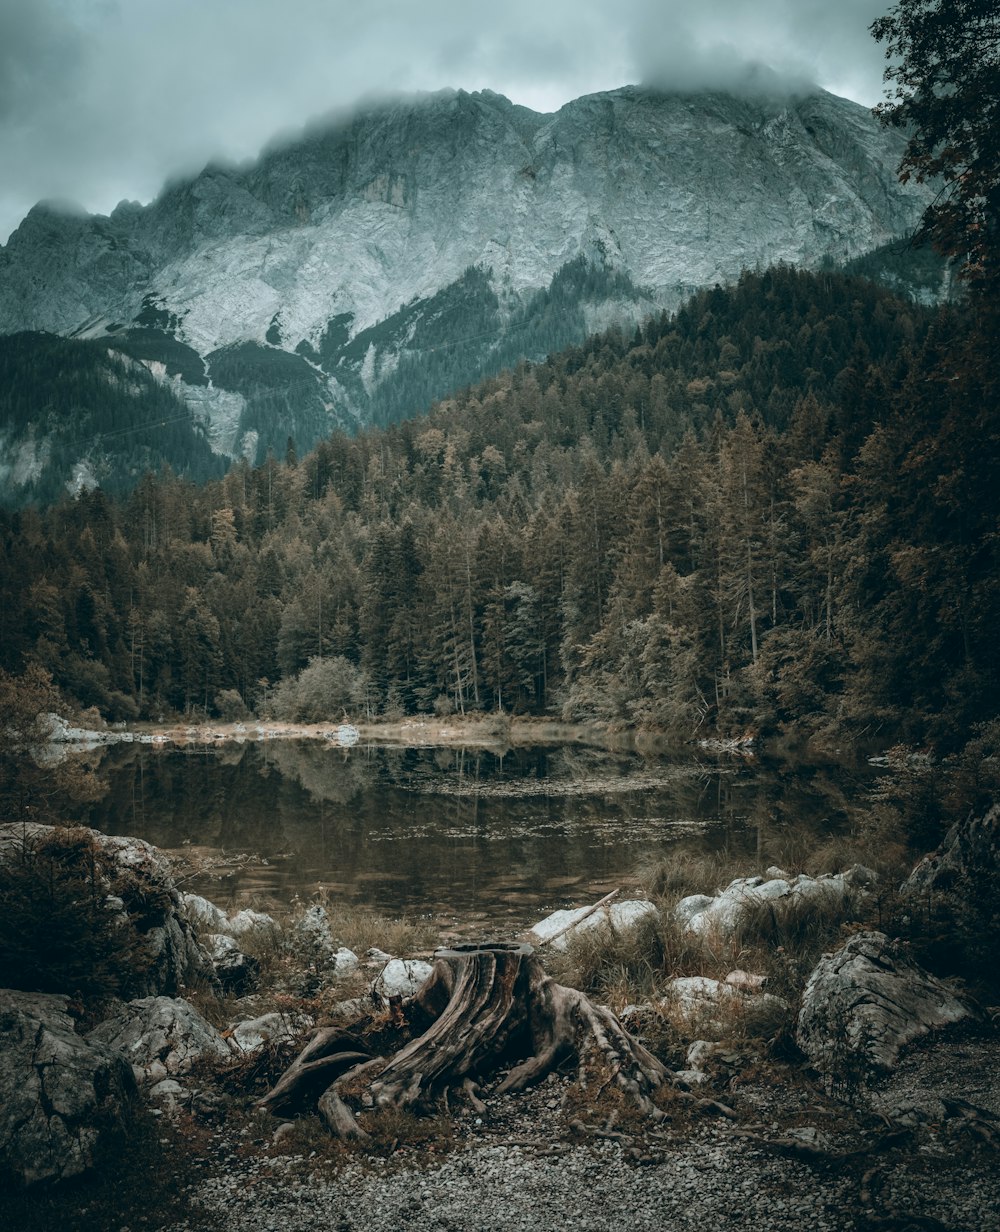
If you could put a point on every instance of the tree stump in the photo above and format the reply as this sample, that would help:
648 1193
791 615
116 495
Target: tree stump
483 1010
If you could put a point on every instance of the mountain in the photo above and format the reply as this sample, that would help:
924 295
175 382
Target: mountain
379 262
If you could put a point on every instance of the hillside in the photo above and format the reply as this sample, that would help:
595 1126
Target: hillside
769 511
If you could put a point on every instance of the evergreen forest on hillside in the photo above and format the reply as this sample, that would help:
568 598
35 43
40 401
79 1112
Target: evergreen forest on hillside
67 404
773 511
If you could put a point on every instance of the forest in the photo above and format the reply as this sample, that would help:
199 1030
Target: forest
772 512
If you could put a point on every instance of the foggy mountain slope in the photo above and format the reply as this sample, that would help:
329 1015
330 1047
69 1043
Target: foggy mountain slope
377 263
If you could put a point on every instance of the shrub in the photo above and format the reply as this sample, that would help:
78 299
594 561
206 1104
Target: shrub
231 706
325 689
60 928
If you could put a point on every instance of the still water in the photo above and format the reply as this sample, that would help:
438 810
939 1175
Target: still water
460 836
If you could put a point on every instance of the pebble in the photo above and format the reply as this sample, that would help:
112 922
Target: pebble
502 1173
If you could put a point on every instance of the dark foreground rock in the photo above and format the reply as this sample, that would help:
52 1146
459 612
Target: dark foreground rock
967 862
60 1095
865 1001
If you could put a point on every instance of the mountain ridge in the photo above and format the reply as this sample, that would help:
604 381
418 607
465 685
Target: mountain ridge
415 246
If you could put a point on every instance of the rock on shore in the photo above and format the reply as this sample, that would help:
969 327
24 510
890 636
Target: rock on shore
866 1000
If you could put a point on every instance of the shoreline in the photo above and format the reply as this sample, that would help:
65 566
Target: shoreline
488 731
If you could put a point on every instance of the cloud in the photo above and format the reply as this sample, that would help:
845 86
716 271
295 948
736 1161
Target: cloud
104 99
788 44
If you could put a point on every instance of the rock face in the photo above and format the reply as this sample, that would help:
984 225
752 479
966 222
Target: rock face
967 862
173 956
863 1003
160 1037
336 265
723 914
59 1094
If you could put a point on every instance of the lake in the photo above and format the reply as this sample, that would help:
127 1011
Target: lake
473 839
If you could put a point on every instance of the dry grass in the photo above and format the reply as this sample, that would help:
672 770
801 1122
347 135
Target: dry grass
779 940
295 973
692 871
361 930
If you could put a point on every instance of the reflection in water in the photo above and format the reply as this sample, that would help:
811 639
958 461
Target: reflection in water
455 833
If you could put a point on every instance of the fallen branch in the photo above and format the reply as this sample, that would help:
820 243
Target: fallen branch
585 915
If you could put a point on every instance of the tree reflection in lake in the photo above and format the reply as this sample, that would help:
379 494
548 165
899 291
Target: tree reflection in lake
459 833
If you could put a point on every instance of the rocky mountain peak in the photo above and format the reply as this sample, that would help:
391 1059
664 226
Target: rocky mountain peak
342 257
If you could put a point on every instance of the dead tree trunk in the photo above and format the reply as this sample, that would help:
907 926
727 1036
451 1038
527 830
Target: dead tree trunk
482 1010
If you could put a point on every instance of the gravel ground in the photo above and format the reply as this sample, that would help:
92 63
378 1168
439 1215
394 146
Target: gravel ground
521 1167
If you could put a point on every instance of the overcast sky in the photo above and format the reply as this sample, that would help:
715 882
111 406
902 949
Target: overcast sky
103 99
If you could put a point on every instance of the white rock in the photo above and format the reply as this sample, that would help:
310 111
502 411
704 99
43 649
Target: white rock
346 962
160 1037
712 1007
722 915
254 1033
205 916
222 946
238 972
401 977
247 921
691 1077
561 926
699 1053
746 980
693 905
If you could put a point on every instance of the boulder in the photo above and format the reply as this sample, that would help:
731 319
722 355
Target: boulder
60 1094
723 915
204 915
401 977
177 958
160 1037
141 894
693 905
868 999
559 928
238 972
248 921
714 1008
746 980
254 1033
346 962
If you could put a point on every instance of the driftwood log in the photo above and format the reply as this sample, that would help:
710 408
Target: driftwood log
482 1011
